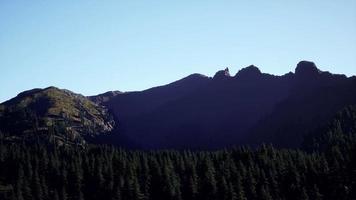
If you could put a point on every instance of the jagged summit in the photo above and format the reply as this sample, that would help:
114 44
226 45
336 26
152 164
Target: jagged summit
250 71
306 68
222 74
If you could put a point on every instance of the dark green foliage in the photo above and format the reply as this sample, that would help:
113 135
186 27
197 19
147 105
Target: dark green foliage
327 171
104 172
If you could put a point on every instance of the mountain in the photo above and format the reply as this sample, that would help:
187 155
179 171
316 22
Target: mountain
196 112
249 108
314 99
53 114
203 117
131 104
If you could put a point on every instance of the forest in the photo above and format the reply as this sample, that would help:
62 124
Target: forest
324 167
42 171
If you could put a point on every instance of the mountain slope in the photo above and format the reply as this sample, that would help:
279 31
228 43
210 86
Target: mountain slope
205 113
104 97
215 115
340 131
131 104
301 114
53 113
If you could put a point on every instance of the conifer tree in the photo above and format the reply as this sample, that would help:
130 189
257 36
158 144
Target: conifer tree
315 194
208 185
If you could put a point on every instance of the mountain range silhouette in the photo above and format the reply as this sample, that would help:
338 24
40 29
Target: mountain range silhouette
201 112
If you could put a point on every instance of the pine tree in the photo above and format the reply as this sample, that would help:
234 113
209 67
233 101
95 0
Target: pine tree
23 190
192 187
250 186
36 184
117 193
240 194
63 194
27 191
137 195
18 189
264 194
209 189
315 195
223 189
304 194
231 193
55 195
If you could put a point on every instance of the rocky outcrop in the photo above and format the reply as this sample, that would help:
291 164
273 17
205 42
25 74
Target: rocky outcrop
52 113
222 74
307 69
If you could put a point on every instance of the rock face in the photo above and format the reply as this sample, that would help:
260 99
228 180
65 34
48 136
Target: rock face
306 68
222 74
53 114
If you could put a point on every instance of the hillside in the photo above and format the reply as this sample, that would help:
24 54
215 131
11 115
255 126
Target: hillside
53 114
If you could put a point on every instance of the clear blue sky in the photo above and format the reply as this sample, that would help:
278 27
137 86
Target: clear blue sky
95 46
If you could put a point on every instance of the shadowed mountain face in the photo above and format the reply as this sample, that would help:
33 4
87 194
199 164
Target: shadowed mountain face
132 104
53 114
314 99
196 112
250 107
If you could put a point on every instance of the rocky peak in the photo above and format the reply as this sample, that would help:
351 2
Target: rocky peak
250 71
306 68
222 74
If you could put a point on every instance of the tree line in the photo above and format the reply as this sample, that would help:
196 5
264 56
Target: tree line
326 169
105 172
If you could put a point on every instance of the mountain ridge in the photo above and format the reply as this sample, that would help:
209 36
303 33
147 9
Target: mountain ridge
219 112
201 112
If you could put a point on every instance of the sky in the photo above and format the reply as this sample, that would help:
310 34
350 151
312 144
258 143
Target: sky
91 47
